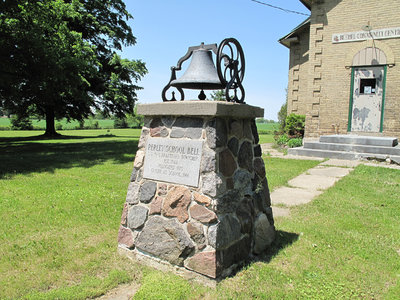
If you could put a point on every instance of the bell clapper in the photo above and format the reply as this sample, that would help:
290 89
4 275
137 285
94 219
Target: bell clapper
202 95
173 97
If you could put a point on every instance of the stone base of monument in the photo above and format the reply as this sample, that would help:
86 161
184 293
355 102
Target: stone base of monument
198 202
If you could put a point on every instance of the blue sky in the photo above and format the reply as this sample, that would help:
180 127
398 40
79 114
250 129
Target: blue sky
166 28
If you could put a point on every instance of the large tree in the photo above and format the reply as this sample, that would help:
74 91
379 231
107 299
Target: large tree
58 59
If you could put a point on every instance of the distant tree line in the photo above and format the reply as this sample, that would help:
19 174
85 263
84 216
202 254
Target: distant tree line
264 121
18 122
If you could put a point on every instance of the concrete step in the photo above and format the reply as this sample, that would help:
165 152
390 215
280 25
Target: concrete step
353 148
321 153
359 140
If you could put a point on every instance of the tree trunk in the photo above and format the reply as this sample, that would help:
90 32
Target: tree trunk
50 128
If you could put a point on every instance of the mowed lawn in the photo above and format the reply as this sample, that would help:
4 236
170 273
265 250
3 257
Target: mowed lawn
60 208
109 124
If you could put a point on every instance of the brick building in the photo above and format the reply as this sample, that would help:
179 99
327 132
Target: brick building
344 72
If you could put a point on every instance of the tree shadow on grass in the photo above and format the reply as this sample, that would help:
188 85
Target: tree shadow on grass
27 157
6 140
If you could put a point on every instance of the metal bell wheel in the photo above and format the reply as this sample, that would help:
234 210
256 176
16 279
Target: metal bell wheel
203 75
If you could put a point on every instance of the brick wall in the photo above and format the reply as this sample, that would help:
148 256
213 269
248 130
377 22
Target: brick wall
328 69
298 74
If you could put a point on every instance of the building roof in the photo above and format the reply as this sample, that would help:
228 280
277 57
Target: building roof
307 3
292 36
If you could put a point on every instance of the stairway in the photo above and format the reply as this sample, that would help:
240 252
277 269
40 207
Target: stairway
351 147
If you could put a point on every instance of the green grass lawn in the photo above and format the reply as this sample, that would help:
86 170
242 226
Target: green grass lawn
266 138
343 245
267 127
280 171
109 123
60 207
61 203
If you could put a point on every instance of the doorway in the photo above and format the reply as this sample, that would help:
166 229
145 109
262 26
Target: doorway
367 99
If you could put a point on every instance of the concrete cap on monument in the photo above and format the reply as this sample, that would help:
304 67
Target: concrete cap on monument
201 108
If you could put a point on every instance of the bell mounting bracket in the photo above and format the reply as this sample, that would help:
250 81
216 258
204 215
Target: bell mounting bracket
230 68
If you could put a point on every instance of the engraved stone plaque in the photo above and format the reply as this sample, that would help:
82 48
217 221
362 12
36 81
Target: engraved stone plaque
170 160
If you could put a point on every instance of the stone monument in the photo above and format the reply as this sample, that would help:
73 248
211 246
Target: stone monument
198 202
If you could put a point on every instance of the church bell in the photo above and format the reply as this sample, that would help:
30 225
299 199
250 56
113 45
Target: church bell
201 73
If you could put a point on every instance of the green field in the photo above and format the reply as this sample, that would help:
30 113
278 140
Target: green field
109 123
61 203
267 127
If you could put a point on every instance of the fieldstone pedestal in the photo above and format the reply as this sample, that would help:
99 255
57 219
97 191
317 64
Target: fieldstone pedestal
198 202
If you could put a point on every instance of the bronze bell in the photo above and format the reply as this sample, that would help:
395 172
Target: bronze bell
201 73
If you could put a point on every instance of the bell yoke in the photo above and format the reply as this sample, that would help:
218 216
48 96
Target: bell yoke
203 75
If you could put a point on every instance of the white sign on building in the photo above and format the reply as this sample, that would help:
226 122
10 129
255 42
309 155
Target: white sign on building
386 33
